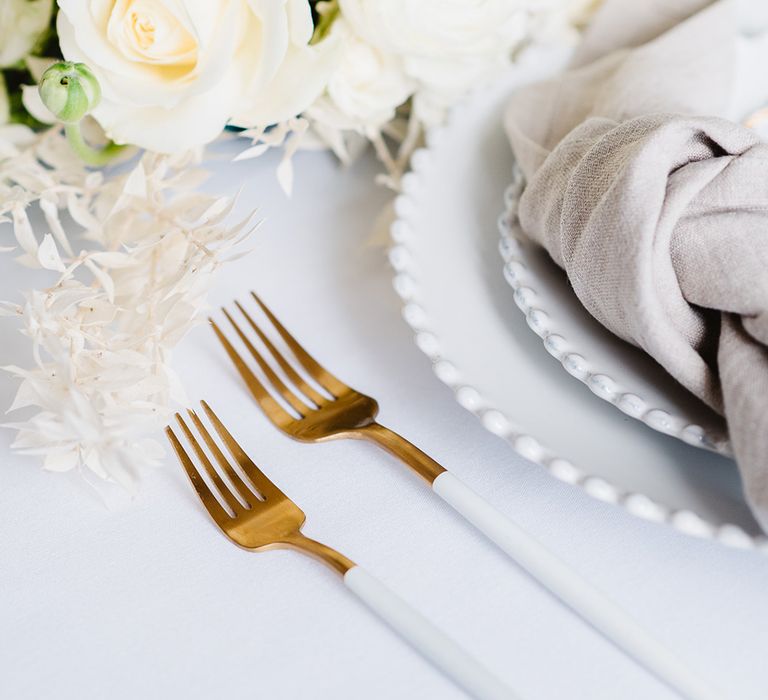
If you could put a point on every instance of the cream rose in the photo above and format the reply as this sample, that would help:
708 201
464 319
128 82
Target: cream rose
21 24
172 74
447 46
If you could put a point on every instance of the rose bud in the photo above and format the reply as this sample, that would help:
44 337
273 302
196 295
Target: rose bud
69 90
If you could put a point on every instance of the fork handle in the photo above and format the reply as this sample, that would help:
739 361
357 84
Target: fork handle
420 462
434 645
576 592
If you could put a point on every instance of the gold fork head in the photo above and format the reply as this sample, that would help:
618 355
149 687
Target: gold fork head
246 505
313 411
325 410
249 509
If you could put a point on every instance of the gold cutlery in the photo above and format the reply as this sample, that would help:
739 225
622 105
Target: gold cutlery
252 512
317 406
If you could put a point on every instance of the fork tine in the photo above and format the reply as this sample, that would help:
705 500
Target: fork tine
274 411
210 502
315 370
240 486
260 480
307 389
218 482
299 406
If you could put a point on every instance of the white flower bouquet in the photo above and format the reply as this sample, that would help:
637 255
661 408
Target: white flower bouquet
146 84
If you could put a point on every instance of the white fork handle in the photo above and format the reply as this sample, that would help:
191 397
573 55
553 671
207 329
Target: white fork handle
435 646
575 591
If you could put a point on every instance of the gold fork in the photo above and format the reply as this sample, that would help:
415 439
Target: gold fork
341 412
330 409
256 515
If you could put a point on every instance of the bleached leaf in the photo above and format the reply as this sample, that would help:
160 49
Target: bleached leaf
51 213
22 229
8 308
112 259
190 179
115 466
136 183
79 211
48 256
238 256
103 278
220 207
25 396
285 175
61 461
252 152
93 462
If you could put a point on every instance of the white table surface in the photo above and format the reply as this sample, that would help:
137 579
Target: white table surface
146 599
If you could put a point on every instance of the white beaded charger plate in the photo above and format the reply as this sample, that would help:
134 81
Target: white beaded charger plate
465 319
613 371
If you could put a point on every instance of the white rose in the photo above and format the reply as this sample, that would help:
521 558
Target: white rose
21 24
447 46
172 74
366 87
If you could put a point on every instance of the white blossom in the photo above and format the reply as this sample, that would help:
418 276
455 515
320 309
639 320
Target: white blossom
402 65
21 24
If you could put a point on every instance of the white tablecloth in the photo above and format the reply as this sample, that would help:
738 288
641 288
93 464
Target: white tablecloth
146 599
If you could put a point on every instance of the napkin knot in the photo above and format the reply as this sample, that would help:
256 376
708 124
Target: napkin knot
661 224
636 211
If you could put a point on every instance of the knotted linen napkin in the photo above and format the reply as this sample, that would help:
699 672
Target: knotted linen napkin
656 205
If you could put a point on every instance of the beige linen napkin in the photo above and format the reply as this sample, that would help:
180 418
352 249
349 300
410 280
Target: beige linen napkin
656 206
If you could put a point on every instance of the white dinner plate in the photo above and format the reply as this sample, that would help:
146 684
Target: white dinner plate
465 318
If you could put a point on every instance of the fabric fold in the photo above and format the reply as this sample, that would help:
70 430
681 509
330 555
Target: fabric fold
657 207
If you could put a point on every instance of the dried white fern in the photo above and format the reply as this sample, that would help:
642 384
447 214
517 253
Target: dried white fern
131 265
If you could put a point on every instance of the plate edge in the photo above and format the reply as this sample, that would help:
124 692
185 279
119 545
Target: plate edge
627 401
406 287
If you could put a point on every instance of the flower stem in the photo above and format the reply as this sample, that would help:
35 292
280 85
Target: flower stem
91 156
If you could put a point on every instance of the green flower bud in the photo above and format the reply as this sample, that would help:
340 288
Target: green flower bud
69 90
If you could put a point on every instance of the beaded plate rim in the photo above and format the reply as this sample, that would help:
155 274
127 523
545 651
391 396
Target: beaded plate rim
406 286
599 382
